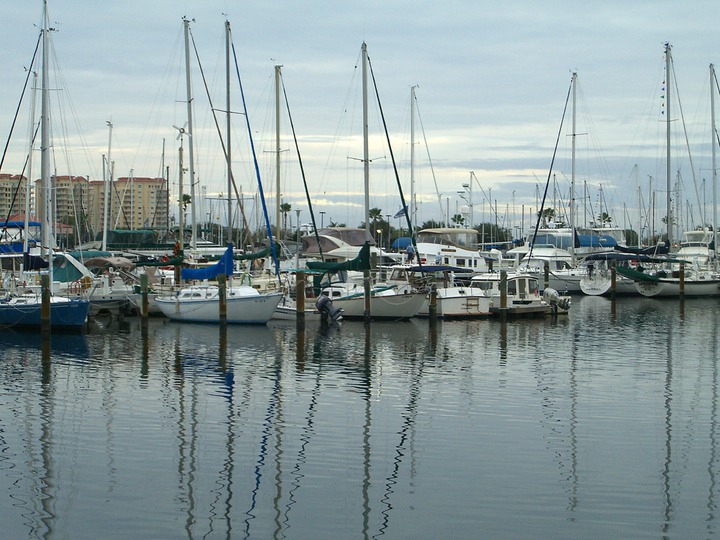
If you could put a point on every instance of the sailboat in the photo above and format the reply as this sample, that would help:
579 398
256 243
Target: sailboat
683 274
32 309
451 256
202 303
366 301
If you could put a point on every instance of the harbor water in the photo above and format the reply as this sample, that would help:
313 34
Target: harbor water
599 424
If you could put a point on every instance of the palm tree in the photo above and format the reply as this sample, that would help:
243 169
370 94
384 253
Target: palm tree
604 218
548 214
285 208
186 200
458 220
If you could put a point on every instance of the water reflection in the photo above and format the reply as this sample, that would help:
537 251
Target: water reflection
71 346
712 459
528 428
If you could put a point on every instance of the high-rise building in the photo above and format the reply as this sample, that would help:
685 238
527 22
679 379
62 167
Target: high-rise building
134 203
13 193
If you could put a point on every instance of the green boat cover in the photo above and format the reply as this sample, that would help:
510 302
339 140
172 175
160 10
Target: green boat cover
636 275
361 262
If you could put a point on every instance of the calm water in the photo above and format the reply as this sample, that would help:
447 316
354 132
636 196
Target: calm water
602 424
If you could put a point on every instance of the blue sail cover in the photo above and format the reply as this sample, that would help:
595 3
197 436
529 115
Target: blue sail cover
223 266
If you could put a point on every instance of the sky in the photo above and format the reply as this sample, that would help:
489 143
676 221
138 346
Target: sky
492 82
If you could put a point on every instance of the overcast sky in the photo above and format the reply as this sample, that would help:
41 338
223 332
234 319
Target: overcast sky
492 79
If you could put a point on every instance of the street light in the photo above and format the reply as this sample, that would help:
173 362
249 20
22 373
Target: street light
379 231
463 196
469 189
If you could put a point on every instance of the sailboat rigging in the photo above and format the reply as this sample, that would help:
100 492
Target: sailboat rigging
46 310
389 301
210 303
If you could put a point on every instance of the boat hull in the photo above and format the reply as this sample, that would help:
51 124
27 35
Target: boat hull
522 308
667 288
602 285
458 303
288 312
240 310
64 313
392 306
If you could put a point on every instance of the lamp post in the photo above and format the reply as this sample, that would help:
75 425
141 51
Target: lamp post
379 232
464 197
469 189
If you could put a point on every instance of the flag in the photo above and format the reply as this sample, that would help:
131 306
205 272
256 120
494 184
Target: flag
400 213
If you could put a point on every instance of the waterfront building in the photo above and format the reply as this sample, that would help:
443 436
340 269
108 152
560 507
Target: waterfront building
13 194
134 203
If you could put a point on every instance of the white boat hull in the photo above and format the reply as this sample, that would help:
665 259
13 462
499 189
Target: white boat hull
600 285
241 309
288 312
458 303
671 287
390 306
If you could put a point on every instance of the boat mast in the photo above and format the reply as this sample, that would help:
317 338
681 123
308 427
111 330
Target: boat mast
366 168
108 180
412 158
366 149
667 143
572 182
228 148
714 143
189 131
48 240
277 150
26 240
181 213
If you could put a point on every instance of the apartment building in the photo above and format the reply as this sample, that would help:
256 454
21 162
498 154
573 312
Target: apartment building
134 203
13 194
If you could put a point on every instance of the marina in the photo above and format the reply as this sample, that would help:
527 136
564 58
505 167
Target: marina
234 321
600 424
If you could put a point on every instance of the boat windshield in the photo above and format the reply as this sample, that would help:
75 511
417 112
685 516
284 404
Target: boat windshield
465 238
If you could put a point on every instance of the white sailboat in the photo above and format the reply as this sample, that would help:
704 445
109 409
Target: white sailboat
243 304
692 271
366 301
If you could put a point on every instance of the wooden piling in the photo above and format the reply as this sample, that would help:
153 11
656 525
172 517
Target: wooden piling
45 299
682 280
300 299
366 288
222 285
503 295
432 306
144 308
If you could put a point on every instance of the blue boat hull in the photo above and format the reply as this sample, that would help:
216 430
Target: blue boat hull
72 314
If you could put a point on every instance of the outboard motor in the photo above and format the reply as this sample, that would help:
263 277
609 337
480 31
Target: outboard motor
328 313
552 297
